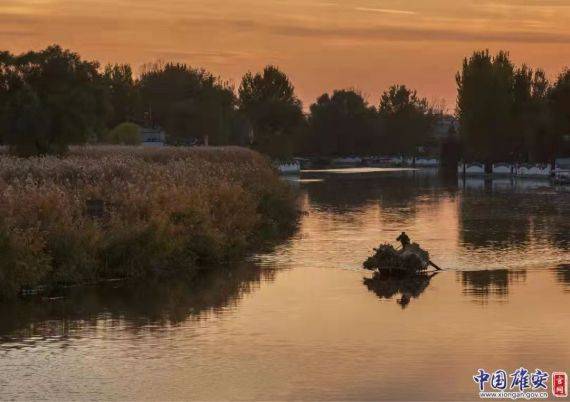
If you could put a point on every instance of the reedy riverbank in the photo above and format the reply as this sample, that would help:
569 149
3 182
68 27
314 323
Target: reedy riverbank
163 209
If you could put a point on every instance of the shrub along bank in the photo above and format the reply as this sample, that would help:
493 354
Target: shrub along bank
110 211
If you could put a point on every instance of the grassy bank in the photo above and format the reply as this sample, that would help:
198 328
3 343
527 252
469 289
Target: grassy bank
107 212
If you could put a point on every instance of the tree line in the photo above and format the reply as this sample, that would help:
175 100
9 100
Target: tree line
50 99
510 113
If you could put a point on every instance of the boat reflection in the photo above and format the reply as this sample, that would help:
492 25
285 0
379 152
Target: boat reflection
408 286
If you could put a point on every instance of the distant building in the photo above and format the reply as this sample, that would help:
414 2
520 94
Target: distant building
443 131
445 126
152 137
562 164
562 170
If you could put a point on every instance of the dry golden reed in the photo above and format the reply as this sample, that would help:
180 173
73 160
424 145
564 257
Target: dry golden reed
112 211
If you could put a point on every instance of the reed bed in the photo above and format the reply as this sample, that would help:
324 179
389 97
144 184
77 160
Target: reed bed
110 211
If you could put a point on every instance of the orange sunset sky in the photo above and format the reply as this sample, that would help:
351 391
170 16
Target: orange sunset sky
321 44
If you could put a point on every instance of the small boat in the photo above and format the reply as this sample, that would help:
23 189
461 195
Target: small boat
409 260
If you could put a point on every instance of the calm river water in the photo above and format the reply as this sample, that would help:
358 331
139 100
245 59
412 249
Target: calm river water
302 322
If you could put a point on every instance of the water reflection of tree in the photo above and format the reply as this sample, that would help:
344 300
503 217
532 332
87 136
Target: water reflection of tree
562 273
136 306
494 221
556 227
397 193
408 286
482 285
497 220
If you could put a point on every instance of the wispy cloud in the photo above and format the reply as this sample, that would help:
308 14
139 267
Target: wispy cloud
208 56
14 33
526 3
386 11
189 26
417 34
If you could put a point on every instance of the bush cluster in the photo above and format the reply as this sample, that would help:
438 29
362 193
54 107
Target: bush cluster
123 134
112 211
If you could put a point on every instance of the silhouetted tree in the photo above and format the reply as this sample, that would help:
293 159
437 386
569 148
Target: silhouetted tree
187 102
406 120
275 113
486 107
557 141
341 124
484 104
121 89
529 114
51 99
511 114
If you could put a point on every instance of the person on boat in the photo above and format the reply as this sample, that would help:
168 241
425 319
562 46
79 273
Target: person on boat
404 239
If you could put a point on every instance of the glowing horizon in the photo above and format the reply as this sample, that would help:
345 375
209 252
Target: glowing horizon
322 45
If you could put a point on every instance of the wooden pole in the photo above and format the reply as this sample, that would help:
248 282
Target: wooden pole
434 265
